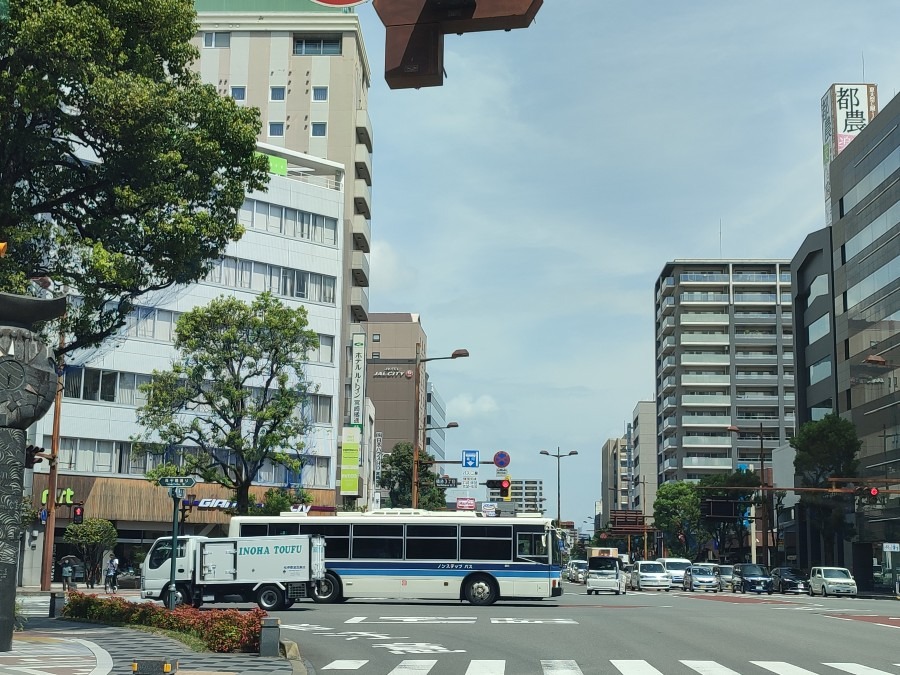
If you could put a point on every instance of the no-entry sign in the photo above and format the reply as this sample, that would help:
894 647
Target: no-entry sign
340 3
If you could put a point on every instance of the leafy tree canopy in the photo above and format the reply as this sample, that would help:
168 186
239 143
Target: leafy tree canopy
234 397
279 500
677 513
120 172
396 476
826 448
91 539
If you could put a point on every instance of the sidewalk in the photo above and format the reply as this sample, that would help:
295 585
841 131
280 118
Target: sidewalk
59 647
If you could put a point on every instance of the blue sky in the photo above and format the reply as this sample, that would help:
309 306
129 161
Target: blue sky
526 207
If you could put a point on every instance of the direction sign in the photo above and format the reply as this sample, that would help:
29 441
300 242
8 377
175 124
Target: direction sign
177 481
469 483
501 459
470 459
470 472
447 482
465 503
894 548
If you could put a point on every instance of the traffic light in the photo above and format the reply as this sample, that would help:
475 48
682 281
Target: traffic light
78 514
504 489
494 484
873 495
33 455
870 493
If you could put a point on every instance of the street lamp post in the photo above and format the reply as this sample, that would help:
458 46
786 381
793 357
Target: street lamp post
457 354
559 456
765 494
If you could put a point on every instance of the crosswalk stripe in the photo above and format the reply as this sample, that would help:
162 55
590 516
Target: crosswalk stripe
486 667
411 666
635 668
561 667
345 664
782 668
709 668
856 669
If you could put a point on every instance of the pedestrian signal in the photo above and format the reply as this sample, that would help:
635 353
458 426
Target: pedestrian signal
78 514
504 488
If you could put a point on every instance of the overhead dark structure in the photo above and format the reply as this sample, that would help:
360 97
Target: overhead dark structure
415 29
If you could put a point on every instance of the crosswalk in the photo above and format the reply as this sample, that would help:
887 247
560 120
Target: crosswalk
622 667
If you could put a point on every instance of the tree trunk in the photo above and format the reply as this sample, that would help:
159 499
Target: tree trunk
242 497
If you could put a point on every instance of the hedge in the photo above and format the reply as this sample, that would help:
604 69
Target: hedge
221 630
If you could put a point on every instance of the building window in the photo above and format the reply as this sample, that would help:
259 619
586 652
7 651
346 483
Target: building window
376 355
217 40
819 370
276 129
818 329
317 45
239 93
319 128
376 337
276 93
320 93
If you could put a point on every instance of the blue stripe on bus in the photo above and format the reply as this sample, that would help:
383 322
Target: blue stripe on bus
406 572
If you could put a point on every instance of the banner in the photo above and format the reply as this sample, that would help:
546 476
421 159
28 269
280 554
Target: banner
350 442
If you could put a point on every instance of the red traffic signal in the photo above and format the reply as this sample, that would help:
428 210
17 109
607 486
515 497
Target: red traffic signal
78 514
873 491
504 487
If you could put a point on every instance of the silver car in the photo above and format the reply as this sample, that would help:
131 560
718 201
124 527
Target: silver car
725 572
700 578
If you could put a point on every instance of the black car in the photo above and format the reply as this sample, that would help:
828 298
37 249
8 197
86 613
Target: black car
751 577
790 580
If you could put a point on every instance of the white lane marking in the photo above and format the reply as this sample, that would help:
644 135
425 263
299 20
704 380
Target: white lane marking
477 667
856 669
709 668
560 668
355 619
512 620
782 668
413 667
414 619
635 668
104 660
345 664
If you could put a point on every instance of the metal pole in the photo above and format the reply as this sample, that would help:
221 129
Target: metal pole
173 492
558 492
415 461
50 527
765 495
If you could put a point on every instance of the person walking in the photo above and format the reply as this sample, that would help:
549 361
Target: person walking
67 576
112 571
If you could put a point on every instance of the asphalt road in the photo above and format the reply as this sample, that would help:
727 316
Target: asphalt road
636 634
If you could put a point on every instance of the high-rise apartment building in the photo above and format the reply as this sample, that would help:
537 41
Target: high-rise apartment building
724 359
305 67
643 441
613 477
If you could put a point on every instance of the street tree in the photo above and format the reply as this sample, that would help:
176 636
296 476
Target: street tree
91 539
236 396
396 477
827 448
120 172
279 500
676 513
739 487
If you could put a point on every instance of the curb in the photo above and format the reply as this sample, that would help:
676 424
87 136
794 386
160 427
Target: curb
299 665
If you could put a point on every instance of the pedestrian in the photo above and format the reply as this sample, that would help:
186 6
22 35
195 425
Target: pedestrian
67 576
112 572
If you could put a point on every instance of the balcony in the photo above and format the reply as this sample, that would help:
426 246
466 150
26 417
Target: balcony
668 383
362 197
364 129
690 339
745 399
705 380
359 267
770 357
666 286
717 298
756 338
667 325
666 345
755 297
668 403
666 306
670 443
668 364
757 378
704 319
359 303
363 163
715 400
703 278
754 278
705 359
670 465
706 441
362 233
719 421
707 463
669 424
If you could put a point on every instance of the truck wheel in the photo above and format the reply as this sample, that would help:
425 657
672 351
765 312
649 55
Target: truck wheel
270 598
326 590
480 589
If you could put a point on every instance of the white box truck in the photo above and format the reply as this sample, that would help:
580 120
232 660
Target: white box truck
270 571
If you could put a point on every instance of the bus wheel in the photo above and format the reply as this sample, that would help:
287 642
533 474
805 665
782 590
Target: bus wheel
480 590
270 598
326 590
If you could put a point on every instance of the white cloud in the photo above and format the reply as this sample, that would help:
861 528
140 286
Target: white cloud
467 406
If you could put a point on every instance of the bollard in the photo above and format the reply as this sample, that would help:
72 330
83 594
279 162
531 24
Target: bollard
154 666
270 637
57 602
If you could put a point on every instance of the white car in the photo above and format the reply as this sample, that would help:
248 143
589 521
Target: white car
831 581
675 567
572 569
649 574
605 574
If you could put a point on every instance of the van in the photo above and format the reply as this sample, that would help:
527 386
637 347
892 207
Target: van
605 573
675 567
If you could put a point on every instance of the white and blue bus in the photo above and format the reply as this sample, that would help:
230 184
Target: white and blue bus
434 555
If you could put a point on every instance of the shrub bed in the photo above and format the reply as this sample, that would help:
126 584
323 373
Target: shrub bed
221 630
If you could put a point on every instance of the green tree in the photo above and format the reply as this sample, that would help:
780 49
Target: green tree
114 81
676 513
278 500
396 476
91 539
234 397
827 448
740 487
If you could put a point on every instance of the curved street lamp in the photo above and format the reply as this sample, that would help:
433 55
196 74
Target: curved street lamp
559 456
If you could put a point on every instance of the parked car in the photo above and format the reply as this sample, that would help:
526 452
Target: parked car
750 577
831 581
571 572
790 580
650 574
605 573
129 579
725 577
675 567
700 578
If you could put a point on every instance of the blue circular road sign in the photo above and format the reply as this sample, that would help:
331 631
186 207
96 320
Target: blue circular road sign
501 459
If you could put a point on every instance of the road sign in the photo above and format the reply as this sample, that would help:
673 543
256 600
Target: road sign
502 472
465 503
890 547
501 459
470 459
443 482
469 483
177 481
470 472
340 3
